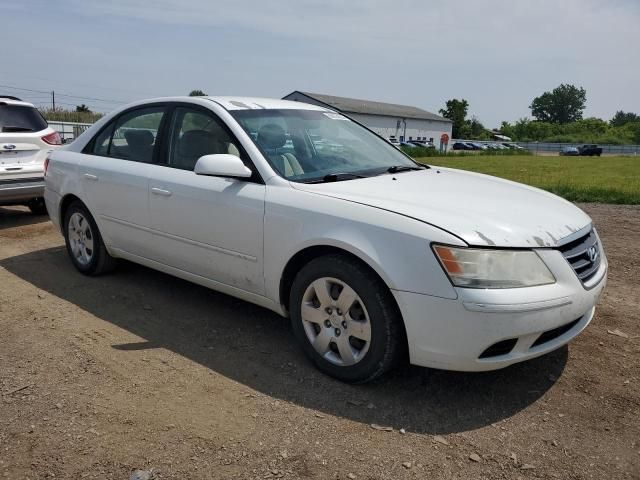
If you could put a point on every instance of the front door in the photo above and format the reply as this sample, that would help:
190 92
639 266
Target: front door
208 226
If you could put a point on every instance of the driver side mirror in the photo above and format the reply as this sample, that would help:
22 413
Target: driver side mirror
222 165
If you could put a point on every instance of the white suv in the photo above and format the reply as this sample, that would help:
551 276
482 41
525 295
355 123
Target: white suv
25 140
375 258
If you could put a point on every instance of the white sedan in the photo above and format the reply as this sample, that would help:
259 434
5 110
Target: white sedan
376 259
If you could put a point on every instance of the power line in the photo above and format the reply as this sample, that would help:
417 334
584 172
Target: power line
67 82
65 95
91 98
24 89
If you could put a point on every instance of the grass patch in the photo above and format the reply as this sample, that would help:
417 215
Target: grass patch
578 179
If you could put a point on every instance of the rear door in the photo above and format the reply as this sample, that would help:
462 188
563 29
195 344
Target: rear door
21 146
115 171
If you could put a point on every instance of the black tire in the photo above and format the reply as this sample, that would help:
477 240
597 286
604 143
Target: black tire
100 261
37 206
388 339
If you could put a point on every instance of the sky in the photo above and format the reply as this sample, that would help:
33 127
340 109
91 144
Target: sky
497 54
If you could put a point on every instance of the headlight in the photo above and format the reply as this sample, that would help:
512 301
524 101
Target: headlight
485 268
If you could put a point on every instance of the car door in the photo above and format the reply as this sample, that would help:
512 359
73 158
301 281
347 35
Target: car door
115 171
204 225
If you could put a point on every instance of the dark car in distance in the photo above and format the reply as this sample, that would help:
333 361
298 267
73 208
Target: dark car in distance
461 146
590 150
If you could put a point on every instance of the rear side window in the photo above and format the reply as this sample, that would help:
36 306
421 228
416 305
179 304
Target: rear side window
20 118
133 136
102 142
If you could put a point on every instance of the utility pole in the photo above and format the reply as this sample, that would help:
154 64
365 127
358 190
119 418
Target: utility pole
53 100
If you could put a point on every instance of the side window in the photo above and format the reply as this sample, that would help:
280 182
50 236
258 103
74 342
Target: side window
135 135
102 142
195 133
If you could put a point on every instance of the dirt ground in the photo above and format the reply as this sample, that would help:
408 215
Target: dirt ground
140 370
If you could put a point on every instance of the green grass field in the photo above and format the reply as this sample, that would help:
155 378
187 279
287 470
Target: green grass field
579 179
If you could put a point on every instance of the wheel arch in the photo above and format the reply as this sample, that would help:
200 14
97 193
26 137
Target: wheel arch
67 200
309 253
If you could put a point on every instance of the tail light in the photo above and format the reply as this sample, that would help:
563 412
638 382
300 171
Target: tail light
52 139
46 165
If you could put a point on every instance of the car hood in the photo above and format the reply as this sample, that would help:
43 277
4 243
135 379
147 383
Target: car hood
480 209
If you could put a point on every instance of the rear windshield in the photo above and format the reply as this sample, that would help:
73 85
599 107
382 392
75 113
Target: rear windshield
20 118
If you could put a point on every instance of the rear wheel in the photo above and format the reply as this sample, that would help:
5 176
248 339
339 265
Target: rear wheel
345 319
84 242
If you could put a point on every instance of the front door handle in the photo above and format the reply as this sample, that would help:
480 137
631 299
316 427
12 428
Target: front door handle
160 191
89 176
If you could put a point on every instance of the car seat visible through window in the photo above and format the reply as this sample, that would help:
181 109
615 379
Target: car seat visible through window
193 145
271 137
139 145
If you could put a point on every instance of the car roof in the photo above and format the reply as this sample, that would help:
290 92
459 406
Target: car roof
258 103
240 103
11 101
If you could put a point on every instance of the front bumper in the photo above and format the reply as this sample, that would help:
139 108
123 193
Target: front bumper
457 334
22 190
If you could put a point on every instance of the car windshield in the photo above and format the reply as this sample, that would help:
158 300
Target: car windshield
311 145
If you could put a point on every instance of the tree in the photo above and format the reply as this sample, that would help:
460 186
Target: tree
636 137
622 118
456 111
82 108
477 129
197 93
564 104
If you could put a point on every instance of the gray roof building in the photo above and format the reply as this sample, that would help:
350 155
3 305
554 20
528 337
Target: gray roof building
354 105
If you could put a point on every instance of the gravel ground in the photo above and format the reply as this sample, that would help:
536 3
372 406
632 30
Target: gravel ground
139 370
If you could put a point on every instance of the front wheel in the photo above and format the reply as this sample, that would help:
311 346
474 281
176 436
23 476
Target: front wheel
84 242
346 320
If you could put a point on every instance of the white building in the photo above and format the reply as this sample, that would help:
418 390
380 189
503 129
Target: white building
400 122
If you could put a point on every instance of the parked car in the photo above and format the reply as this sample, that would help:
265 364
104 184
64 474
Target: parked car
374 257
422 144
394 141
590 150
25 139
476 146
513 146
408 145
491 146
569 151
461 146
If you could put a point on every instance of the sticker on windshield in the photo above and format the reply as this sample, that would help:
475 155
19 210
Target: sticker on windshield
334 116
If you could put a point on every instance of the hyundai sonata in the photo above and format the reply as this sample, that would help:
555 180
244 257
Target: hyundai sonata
375 258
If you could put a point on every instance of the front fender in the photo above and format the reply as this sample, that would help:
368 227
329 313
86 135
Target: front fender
395 246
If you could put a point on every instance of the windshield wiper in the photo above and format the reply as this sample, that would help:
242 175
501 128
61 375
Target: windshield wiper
337 177
403 168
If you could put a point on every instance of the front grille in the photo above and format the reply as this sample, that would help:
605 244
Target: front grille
583 255
555 333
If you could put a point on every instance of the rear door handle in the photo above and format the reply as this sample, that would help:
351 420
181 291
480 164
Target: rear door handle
89 176
160 191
